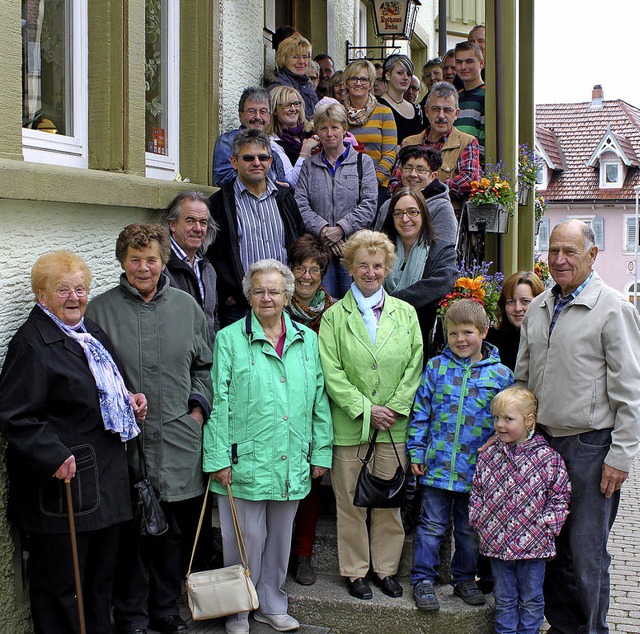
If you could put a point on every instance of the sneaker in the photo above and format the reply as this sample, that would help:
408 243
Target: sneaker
234 625
304 574
424 595
279 622
469 592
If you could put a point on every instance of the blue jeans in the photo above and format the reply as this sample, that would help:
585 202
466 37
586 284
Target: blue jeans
432 525
577 583
518 592
336 280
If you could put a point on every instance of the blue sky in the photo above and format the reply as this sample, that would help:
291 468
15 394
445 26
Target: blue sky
580 43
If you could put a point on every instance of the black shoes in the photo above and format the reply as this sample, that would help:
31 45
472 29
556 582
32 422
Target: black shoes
303 573
171 624
359 589
389 586
137 630
468 591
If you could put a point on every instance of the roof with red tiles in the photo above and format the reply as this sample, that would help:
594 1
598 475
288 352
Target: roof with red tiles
570 133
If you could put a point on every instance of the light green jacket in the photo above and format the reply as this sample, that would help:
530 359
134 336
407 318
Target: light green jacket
270 420
357 375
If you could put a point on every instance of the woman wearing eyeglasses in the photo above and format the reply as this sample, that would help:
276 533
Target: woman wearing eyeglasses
336 193
425 269
370 122
292 59
398 71
289 131
269 434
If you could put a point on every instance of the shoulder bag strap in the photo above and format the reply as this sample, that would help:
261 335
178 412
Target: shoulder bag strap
372 444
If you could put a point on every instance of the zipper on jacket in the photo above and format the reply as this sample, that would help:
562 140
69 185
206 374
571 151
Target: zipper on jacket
459 419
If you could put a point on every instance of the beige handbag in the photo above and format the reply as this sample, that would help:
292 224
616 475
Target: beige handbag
215 593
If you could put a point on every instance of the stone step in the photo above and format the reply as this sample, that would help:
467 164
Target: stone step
327 602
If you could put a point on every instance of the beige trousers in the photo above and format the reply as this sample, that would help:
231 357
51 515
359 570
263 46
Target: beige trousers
381 546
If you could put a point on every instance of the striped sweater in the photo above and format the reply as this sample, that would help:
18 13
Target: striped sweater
380 139
471 118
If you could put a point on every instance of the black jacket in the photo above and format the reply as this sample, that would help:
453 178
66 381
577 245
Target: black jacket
224 253
49 409
181 276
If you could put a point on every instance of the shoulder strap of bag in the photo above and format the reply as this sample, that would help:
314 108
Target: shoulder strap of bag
242 549
359 168
372 445
141 458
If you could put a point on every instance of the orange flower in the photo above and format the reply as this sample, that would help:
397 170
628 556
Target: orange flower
485 182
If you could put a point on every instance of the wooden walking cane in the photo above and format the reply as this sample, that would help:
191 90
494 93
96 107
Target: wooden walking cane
74 557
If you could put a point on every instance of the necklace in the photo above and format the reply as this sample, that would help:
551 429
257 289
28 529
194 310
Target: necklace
394 101
273 338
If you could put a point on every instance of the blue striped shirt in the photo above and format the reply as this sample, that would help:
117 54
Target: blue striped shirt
562 302
260 226
196 269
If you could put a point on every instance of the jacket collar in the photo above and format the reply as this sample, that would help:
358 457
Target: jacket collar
130 291
253 329
587 297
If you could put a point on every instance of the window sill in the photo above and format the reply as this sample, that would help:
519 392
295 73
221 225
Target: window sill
22 180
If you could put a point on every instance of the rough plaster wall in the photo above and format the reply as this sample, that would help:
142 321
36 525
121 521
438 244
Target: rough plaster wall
30 229
345 24
426 20
242 54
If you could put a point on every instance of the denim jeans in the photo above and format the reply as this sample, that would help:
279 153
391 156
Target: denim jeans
432 525
577 583
518 593
336 280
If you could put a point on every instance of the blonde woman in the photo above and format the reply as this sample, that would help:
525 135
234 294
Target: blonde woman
370 122
292 58
289 131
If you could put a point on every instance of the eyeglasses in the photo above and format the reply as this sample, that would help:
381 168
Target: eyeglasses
300 57
292 104
314 271
263 112
65 293
418 169
263 292
250 158
448 110
409 213
365 81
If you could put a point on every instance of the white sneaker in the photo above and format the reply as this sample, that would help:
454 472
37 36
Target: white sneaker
279 622
234 625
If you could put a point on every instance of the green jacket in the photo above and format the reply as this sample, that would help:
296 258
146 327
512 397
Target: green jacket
358 376
163 348
270 420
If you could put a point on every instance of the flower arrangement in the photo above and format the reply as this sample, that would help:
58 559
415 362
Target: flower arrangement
493 188
477 284
540 206
528 166
541 269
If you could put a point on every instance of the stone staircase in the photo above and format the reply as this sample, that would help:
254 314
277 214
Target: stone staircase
327 602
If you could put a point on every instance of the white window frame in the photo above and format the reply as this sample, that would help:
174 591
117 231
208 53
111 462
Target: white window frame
165 166
542 239
603 174
363 15
595 222
60 149
630 234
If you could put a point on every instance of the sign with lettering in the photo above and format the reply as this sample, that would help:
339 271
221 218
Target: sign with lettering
391 16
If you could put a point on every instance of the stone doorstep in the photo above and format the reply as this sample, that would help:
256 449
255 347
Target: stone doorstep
327 602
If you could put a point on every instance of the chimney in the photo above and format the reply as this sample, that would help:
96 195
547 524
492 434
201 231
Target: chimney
597 96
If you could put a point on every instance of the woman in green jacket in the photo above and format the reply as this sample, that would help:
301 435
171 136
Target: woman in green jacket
371 352
268 435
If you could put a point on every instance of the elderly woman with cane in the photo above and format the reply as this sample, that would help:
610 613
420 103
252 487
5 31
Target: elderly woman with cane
65 413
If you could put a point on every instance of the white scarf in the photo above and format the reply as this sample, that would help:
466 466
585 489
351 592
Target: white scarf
365 306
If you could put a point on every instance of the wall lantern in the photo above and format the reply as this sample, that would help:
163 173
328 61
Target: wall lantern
395 18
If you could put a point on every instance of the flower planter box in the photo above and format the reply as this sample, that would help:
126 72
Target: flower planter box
523 194
494 216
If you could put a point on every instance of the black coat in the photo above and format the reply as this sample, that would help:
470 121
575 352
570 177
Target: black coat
224 253
49 409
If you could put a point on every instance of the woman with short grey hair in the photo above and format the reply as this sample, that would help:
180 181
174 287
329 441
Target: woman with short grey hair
269 401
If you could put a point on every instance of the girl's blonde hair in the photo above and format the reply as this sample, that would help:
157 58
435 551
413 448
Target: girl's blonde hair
524 399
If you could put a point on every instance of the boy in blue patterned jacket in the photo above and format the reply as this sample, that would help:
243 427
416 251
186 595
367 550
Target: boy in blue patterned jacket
451 418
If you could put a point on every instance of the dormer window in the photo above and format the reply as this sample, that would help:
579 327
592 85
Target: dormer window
612 172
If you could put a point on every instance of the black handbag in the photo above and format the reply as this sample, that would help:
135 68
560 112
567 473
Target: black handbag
148 516
375 492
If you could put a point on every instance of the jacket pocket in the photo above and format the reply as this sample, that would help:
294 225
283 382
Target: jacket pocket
244 472
85 490
181 452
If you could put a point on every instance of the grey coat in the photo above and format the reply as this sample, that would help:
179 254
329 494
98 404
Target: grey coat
339 200
163 348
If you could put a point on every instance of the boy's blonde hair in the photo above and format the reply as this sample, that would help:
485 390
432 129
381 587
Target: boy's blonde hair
466 311
523 398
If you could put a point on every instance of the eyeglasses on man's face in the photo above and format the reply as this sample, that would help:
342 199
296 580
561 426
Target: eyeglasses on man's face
250 158
263 112
418 169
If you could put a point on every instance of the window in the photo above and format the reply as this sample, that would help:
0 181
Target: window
631 234
54 81
611 173
597 224
542 239
162 28
634 294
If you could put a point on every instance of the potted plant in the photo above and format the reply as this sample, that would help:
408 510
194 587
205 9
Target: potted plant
541 269
477 284
528 166
491 202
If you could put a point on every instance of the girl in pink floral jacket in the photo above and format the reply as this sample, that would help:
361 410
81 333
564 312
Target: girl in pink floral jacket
518 504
